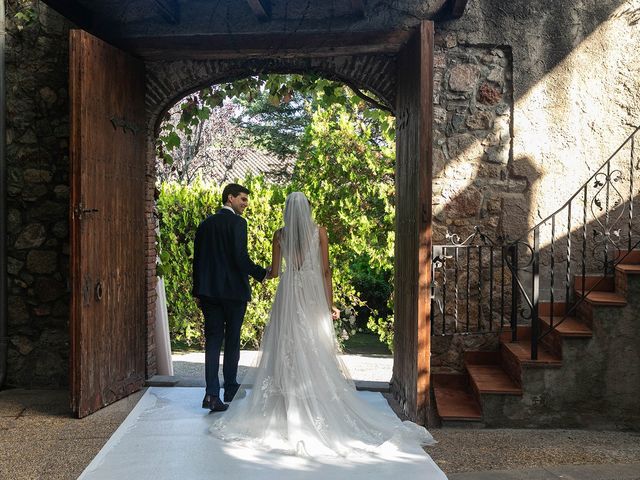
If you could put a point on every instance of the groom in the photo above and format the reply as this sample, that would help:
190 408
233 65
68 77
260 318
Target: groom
221 269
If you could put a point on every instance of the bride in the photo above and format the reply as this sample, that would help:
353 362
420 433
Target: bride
301 401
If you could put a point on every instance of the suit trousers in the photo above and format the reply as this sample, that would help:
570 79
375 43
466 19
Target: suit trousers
222 321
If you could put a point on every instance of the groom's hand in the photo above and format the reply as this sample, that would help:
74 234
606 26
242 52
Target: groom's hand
268 275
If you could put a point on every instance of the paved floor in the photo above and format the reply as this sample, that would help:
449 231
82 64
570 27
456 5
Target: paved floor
479 450
362 368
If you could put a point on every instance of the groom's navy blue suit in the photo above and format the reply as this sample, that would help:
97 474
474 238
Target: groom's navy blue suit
221 269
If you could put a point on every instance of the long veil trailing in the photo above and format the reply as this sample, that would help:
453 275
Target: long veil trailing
300 399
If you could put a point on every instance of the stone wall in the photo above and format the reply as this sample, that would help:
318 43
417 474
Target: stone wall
472 155
38 195
575 98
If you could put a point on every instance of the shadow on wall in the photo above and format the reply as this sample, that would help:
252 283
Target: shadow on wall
585 236
499 207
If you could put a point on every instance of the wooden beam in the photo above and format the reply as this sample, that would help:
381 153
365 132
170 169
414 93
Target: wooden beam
170 10
261 9
358 7
224 46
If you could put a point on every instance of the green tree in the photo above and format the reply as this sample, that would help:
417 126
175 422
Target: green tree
275 126
346 167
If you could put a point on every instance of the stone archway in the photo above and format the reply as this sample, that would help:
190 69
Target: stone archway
168 82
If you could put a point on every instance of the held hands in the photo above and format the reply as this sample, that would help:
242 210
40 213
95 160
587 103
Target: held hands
335 313
269 274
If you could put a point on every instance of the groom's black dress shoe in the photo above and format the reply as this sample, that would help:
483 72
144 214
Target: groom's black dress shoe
234 394
214 404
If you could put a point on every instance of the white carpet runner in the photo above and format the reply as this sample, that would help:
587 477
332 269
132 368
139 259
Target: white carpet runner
166 437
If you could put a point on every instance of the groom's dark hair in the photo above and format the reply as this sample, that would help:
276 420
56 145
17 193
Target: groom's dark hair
233 189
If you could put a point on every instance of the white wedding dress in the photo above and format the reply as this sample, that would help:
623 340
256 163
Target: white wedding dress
301 400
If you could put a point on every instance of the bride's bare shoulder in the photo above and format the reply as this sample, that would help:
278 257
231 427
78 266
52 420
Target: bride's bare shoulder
322 231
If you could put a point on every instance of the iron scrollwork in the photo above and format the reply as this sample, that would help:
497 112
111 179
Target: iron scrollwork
606 237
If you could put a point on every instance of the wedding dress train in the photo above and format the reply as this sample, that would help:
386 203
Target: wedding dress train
302 401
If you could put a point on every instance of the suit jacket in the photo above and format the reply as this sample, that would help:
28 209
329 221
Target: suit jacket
221 263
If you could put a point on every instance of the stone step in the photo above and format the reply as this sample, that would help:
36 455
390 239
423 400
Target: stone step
481 358
492 379
633 257
517 354
559 308
629 268
569 327
610 299
454 399
598 283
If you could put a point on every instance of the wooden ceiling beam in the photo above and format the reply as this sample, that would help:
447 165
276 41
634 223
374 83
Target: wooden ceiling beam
261 9
225 46
86 19
170 10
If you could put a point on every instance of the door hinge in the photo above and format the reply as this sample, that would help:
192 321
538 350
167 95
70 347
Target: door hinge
79 211
125 124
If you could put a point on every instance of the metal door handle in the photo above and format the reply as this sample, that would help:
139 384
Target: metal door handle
99 291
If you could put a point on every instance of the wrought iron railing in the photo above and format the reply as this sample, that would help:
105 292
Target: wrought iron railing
481 284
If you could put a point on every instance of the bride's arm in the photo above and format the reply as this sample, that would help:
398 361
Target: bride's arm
275 255
326 270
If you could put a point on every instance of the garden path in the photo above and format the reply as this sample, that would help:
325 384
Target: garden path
363 368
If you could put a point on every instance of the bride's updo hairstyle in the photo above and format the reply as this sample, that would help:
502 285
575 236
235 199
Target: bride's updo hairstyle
299 229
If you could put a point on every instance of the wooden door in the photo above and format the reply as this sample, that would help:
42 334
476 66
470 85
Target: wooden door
412 343
107 155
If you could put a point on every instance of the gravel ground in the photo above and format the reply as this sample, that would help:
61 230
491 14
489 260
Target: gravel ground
39 439
467 450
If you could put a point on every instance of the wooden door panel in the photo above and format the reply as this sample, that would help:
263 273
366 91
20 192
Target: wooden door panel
414 108
107 155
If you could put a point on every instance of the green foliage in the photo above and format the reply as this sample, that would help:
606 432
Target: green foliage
181 209
278 90
274 128
26 16
346 168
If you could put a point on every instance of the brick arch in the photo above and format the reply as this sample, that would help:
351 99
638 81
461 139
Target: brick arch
169 81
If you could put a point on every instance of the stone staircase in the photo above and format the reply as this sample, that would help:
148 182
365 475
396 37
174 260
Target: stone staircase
587 372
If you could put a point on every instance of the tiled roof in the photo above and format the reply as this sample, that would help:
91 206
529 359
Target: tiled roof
251 161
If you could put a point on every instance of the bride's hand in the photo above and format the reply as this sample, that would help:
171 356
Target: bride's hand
335 313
